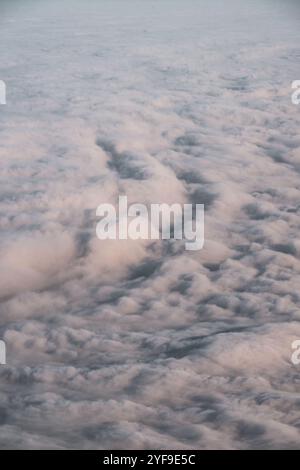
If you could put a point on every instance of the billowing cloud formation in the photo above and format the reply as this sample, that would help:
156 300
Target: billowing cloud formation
135 344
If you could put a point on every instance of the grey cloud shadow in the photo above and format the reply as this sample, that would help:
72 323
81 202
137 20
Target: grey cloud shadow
125 164
145 270
203 195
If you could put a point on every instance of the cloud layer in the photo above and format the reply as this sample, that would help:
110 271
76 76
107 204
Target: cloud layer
135 344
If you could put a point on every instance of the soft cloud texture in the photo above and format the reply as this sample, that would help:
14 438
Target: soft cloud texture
140 344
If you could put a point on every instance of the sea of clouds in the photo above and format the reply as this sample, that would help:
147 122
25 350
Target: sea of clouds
141 344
